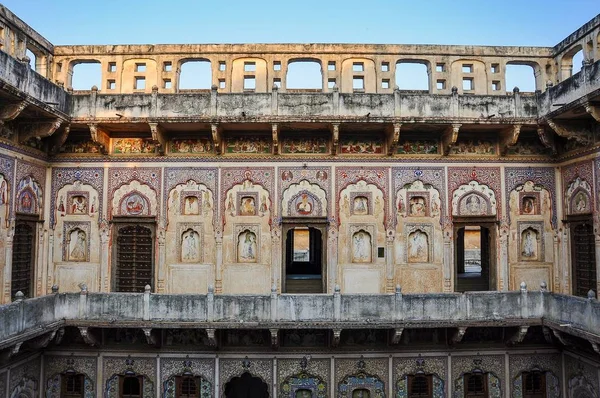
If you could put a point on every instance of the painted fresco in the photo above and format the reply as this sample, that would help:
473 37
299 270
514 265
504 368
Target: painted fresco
473 147
132 146
527 148
200 145
260 145
425 147
301 146
361 146
84 147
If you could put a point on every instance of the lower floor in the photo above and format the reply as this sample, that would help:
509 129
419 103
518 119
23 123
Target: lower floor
524 372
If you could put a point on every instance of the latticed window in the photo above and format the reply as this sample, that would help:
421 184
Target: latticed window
187 387
131 387
22 260
419 386
475 385
534 384
134 256
72 386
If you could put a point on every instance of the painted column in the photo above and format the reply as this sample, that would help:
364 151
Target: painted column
597 246
503 280
448 260
8 251
332 255
50 261
219 260
162 257
103 286
39 260
389 261
276 256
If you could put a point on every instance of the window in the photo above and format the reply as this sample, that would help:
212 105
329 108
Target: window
495 85
111 84
167 83
467 68
222 66
131 386
58 65
385 83
221 83
358 83
330 83
331 65
358 67
72 385
475 385
441 84
249 83
112 66
419 386
277 65
385 66
168 66
277 83
534 384
440 67
140 67
468 84
495 68
249 66
140 83
187 387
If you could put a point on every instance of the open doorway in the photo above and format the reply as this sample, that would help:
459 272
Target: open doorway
304 258
246 386
474 259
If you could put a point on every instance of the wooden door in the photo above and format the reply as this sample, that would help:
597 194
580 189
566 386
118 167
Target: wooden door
23 259
583 257
134 258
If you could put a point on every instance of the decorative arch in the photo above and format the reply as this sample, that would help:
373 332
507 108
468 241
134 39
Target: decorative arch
361 381
438 388
134 199
170 385
493 384
552 383
112 385
304 199
474 199
29 196
27 388
134 203
54 384
294 385
248 377
578 197
580 387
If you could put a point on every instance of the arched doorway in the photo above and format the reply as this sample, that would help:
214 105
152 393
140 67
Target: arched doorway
246 386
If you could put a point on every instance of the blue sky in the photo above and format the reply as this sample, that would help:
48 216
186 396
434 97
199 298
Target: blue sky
476 22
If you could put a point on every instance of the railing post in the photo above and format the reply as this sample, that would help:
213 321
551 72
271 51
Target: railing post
274 100
56 310
210 304
213 100
19 297
524 301
336 100
146 314
83 301
274 299
398 304
337 304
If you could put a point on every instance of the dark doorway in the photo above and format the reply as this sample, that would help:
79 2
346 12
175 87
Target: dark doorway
134 258
246 386
304 259
473 258
23 258
583 257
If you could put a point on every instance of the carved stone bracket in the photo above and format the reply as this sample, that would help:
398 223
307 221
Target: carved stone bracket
43 340
547 334
150 338
14 350
458 335
12 110
546 138
212 341
274 337
450 137
37 129
393 133
561 337
60 333
158 136
87 336
509 137
519 335
59 139
581 136
217 136
337 333
593 110
275 133
100 136
397 336
335 137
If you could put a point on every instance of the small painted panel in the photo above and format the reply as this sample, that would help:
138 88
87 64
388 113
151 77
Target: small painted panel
528 148
134 204
257 145
247 202
529 203
133 146
302 146
473 147
361 247
361 146
304 204
29 196
192 146
82 147
247 247
425 147
77 202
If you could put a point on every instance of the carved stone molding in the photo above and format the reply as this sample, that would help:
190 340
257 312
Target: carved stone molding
449 138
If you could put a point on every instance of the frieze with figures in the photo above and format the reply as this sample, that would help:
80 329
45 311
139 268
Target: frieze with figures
81 147
304 146
528 148
248 145
361 146
191 146
473 147
131 146
418 147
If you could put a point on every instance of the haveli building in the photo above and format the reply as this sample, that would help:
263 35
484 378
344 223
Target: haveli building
253 240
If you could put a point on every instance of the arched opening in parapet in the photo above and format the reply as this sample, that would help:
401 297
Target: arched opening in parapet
577 61
32 58
304 74
86 74
412 75
571 62
195 75
517 75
